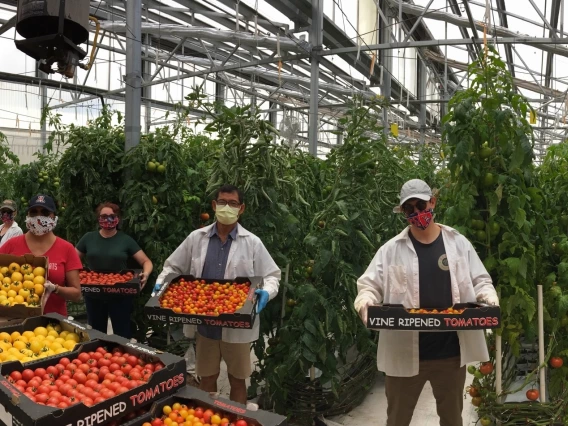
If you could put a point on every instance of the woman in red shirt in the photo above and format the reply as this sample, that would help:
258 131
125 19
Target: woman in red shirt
64 263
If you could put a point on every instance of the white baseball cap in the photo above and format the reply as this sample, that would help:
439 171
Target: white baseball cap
414 188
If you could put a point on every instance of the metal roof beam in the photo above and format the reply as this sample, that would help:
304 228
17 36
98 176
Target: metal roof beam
465 34
554 12
503 22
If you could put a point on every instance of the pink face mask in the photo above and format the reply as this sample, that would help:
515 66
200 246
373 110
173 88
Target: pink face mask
421 219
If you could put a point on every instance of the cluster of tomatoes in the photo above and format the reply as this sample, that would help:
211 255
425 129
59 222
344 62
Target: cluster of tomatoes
199 298
450 311
184 415
91 378
90 277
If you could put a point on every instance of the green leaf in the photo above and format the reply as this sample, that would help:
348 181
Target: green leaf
493 203
520 218
517 157
563 305
513 263
310 326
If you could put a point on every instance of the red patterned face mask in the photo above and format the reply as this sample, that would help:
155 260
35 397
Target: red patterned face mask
421 219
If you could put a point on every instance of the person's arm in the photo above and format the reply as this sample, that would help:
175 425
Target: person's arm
482 282
146 264
73 290
80 254
370 286
266 267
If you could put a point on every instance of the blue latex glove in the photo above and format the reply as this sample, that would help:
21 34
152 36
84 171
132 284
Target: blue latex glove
262 299
157 288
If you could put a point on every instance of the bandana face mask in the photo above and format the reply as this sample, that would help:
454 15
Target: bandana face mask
41 225
7 217
108 222
421 219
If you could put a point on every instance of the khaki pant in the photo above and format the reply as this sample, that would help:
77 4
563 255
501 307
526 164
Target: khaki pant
447 379
209 353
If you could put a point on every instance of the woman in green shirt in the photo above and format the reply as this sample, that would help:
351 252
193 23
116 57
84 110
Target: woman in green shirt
108 249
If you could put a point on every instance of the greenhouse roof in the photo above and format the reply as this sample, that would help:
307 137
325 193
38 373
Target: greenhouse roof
261 51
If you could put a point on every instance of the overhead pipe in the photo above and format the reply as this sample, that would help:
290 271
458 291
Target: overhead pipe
227 36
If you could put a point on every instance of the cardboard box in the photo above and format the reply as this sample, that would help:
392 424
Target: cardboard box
21 311
242 318
130 288
194 397
475 316
20 410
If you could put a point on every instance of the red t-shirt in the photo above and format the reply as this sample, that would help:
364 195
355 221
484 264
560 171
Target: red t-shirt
62 258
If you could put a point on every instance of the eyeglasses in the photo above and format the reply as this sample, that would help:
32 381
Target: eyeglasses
38 212
231 203
408 208
108 216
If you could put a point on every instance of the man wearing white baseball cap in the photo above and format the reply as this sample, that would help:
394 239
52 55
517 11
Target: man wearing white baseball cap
427 265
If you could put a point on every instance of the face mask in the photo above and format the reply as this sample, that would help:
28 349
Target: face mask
108 223
41 225
227 215
7 217
421 219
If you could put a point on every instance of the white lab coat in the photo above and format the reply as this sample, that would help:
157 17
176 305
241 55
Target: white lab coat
392 277
247 258
14 231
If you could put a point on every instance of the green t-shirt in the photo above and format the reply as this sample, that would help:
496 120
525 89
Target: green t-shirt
107 254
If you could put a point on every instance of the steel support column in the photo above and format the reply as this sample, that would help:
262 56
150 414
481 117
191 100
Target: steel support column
422 82
316 40
220 91
147 90
272 115
43 95
385 58
133 79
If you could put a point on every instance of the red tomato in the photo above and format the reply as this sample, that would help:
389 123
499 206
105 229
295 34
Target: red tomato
77 362
132 360
16 375
43 389
64 362
486 368
73 383
41 398
157 422
40 372
87 401
198 413
107 393
532 394
98 399
126 368
97 356
101 350
241 422
93 376
91 384
122 389
52 370
104 362
27 375
84 357
135 375
556 362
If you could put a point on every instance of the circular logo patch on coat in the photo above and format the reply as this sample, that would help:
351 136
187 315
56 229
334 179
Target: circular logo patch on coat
443 263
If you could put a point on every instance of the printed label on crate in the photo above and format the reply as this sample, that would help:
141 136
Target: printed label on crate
465 316
140 348
101 416
229 407
75 324
108 290
153 392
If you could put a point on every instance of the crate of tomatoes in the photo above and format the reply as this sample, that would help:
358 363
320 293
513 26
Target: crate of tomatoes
461 316
191 406
104 283
229 303
99 382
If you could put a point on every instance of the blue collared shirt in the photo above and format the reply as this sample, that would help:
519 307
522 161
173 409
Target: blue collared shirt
214 268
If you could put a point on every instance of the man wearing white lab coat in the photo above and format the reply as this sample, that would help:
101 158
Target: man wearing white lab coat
225 250
429 266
